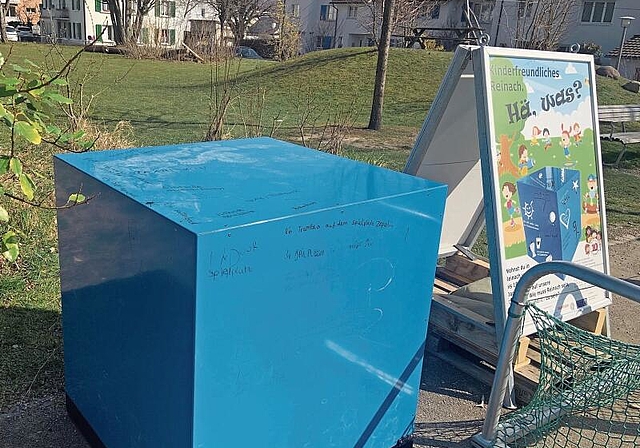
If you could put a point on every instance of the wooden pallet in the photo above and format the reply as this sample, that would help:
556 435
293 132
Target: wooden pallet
467 340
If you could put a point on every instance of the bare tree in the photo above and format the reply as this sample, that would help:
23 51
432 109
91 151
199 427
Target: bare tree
239 15
375 119
127 17
243 13
541 24
406 14
4 11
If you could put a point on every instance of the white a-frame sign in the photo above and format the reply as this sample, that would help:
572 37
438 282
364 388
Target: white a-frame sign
514 133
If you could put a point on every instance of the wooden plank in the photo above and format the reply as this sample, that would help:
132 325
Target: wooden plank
452 277
521 355
469 269
448 287
464 328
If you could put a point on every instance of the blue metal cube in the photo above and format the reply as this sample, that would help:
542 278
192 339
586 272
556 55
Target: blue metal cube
213 289
551 213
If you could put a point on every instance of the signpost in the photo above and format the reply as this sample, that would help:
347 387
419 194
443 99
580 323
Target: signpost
542 174
529 144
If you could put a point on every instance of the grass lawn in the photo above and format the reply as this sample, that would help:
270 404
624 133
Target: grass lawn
169 102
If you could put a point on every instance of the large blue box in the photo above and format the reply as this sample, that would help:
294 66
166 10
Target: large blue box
247 291
551 213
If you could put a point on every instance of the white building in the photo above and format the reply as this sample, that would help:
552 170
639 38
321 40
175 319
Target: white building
348 23
76 22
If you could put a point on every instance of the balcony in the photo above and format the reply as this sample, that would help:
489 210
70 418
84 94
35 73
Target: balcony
57 13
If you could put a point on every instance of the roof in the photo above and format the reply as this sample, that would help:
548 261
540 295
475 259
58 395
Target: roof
630 50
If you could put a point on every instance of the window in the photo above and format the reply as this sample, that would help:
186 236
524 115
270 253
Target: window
31 10
203 12
353 12
104 33
76 31
12 11
63 29
327 12
167 37
598 12
295 10
525 7
166 9
63 4
75 5
104 7
435 11
480 10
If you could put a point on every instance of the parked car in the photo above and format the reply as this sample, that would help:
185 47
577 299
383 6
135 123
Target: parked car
247 53
12 34
25 34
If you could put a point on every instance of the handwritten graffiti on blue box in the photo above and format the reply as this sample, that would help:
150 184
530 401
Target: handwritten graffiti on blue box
550 206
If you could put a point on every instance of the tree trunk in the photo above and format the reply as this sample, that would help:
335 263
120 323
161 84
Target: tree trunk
375 120
4 8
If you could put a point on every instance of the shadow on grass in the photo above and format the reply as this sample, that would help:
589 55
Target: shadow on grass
302 64
31 354
446 434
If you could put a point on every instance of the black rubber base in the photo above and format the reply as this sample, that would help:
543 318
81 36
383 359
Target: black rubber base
83 425
405 442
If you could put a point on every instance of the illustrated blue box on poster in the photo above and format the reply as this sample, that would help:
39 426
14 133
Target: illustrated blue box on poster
213 290
551 213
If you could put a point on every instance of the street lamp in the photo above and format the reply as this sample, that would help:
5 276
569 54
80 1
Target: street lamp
625 21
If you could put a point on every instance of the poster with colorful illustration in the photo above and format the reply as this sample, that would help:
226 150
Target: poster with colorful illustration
546 174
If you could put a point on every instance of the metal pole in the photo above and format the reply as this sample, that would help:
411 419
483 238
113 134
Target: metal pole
624 35
512 328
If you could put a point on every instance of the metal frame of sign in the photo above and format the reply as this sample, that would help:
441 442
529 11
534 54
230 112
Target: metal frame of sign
560 212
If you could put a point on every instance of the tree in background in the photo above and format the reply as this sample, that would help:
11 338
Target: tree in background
409 11
375 119
127 17
406 14
541 24
239 15
288 44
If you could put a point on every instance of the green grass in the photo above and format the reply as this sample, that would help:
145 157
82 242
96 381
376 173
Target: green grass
168 102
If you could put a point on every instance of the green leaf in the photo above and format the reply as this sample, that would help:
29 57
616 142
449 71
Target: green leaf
4 164
15 165
20 69
10 237
13 81
76 198
4 215
7 91
1 60
59 98
28 131
59 82
27 185
32 64
12 252
53 129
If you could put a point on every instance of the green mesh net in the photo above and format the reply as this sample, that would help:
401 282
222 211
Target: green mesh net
588 394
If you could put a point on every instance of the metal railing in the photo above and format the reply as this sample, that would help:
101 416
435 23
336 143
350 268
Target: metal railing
512 329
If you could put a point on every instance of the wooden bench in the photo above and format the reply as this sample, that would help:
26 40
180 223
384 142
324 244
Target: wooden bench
620 114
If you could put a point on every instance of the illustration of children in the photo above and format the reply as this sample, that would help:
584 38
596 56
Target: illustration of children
592 189
524 162
535 133
508 190
547 139
577 133
565 141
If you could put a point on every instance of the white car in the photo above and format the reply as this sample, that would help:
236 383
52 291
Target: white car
12 34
